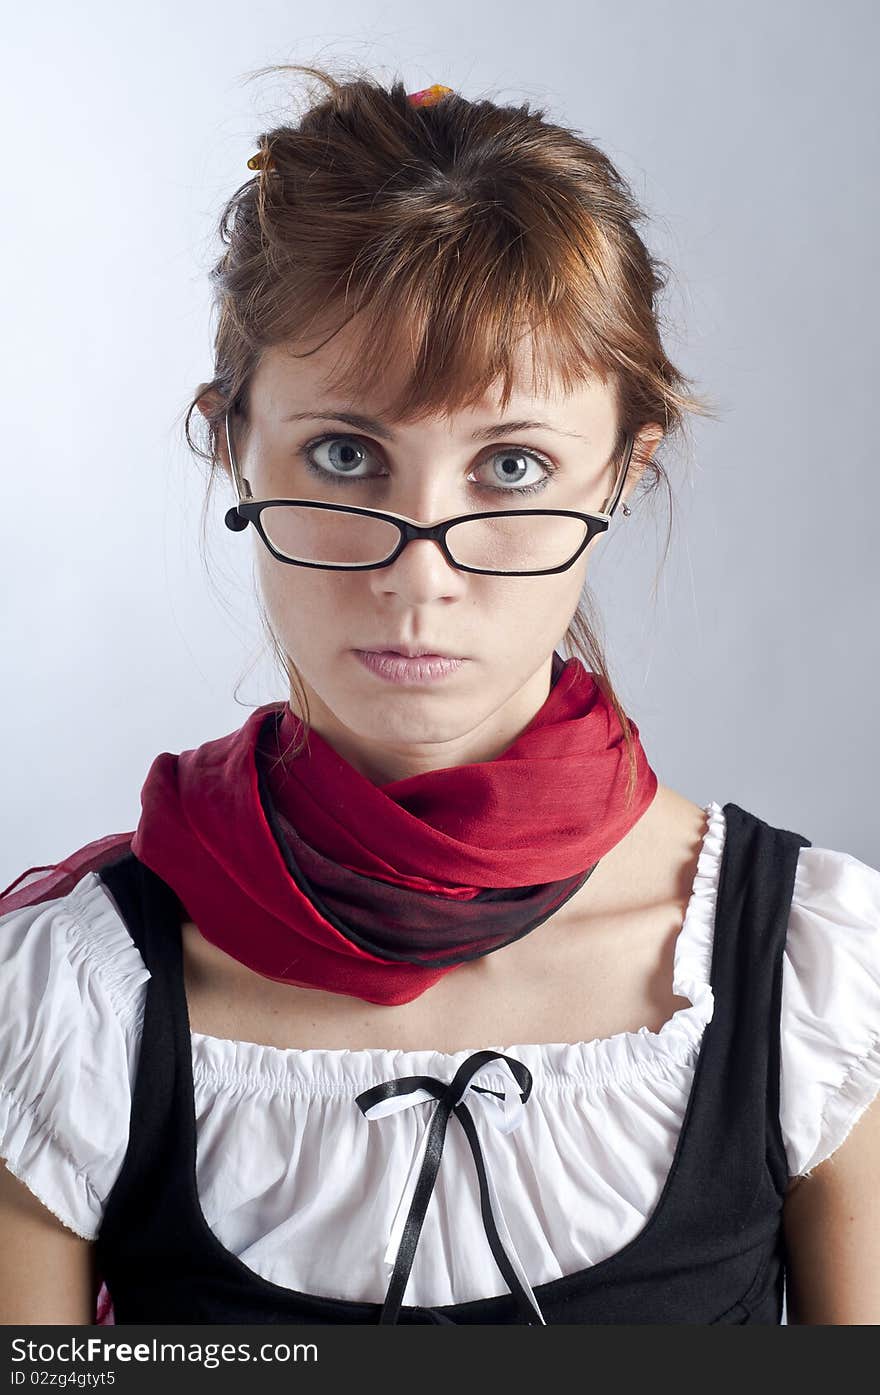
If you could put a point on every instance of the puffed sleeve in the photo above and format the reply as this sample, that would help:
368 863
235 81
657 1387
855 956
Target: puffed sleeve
830 1013
72 989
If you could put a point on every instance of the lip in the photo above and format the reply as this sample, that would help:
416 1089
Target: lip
397 668
409 651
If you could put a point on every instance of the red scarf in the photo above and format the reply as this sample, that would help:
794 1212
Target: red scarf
397 883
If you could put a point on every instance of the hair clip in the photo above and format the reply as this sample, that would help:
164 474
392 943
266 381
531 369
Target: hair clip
261 161
428 96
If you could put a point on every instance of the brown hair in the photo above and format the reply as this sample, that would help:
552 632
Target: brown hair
447 229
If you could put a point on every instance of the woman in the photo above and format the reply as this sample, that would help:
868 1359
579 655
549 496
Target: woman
266 1074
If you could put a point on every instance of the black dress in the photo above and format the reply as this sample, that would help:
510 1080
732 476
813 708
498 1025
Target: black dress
712 1249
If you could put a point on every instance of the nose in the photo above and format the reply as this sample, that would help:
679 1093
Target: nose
421 572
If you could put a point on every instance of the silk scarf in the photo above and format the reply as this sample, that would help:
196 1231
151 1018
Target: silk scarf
309 873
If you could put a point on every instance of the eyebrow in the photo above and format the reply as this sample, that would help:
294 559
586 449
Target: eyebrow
485 433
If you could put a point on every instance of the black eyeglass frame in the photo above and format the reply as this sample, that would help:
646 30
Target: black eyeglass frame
248 510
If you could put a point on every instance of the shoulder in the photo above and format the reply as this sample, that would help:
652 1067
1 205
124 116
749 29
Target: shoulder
659 856
72 985
671 823
830 1068
830 1000
76 936
830 1080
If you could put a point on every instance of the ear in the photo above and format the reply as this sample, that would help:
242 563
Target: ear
210 404
647 440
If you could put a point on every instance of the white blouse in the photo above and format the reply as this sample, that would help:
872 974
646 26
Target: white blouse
305 1190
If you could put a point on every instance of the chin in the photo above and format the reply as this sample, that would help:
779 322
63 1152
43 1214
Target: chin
434 722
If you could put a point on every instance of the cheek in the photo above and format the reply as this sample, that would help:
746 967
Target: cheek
300 601
528 605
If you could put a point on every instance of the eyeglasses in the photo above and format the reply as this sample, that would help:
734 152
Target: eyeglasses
498 542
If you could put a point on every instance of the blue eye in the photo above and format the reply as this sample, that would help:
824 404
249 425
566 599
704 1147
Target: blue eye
347 461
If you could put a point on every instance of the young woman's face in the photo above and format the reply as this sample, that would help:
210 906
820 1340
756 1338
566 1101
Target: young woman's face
505 628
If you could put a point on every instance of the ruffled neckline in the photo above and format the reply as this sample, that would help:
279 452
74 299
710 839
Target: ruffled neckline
601 1062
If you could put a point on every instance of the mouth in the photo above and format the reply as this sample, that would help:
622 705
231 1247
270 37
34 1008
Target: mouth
396 667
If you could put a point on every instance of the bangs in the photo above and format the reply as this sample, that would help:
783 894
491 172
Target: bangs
448 317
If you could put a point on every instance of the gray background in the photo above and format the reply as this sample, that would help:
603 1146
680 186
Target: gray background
749 132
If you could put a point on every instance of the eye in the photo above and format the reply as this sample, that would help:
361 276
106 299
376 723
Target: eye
343 455
511 462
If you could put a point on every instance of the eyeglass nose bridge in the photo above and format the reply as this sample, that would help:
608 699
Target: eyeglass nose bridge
410 531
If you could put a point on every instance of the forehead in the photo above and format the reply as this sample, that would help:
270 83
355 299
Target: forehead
302 377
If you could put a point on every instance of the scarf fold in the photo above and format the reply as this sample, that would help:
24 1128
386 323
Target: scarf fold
310 874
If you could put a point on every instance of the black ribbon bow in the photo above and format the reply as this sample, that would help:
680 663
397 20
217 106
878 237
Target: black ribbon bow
449 1098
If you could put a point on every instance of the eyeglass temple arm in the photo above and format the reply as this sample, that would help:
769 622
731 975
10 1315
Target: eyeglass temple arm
611 504
241 484
245 492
